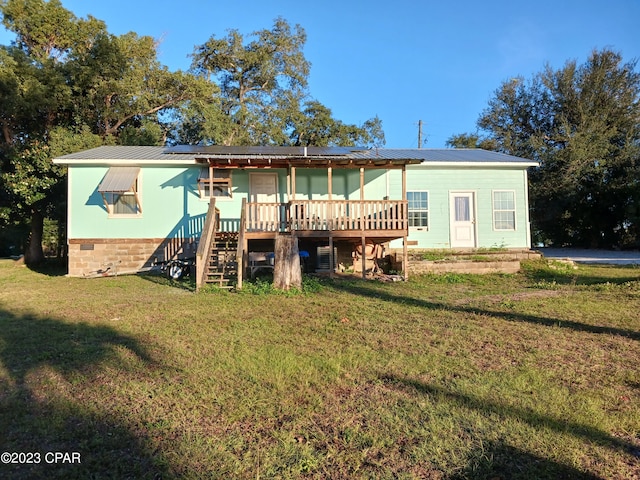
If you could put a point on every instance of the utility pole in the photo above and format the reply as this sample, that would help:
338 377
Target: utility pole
419 133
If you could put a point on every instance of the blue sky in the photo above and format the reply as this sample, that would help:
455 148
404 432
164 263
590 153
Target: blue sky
405 61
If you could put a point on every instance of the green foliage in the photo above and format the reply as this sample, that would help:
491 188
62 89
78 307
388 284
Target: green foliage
264 286
28 175
66 84
264 99
582 123
471 140
45 29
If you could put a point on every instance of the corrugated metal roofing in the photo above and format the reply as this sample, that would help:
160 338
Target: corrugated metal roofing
189 154
110 153
119 179
454 155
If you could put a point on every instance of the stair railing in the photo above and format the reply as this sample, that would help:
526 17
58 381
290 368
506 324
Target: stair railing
240 255
206 239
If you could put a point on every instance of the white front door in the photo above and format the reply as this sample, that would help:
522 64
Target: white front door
463 220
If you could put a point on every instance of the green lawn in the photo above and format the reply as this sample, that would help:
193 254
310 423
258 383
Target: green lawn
534 375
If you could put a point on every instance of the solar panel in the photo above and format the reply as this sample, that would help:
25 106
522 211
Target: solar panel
267 150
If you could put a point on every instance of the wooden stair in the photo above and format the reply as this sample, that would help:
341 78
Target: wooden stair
222 267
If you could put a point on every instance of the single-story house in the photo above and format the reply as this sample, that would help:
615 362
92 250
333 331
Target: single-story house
133 206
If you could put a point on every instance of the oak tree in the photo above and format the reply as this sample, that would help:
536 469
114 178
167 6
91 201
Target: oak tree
264 97
582 124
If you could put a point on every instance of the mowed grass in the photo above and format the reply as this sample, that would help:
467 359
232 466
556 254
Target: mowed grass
534 375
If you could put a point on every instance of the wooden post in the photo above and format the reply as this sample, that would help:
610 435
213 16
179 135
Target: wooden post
405 252
293 183
405 259
286 271
364 257
331 259
330 208
211 172
241 253
362 226
404 182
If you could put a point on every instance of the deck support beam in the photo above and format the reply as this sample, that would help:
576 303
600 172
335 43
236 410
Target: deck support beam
332 260
364 256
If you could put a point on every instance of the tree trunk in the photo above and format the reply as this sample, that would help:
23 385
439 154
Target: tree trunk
33 254
286 271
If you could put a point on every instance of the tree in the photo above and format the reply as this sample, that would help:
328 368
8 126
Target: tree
471 140
118 82
67 84
582 123
315 125
264 98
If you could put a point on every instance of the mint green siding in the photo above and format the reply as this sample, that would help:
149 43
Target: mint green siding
312 184
169 198
172 207
440 182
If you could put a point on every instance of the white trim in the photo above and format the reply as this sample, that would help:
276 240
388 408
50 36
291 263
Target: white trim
520 165
493 210
131 163
428 210
527 220
69 205
474 220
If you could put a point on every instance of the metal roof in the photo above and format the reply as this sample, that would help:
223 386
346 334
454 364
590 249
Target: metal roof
293 156
109 154
445 155
119 179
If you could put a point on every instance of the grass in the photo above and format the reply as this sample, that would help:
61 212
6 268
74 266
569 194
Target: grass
533 375
491 254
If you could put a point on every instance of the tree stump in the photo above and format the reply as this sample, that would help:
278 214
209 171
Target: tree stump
286 271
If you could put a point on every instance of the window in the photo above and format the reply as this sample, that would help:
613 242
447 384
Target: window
122 203
214 182
120 193
418 203
504 210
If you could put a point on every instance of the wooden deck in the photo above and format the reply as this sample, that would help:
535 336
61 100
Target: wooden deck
356 220
383 219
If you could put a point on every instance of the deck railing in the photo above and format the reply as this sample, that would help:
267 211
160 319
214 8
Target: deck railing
327 215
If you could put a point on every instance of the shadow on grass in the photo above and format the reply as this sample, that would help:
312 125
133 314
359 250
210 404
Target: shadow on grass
52 267
566 275
188 283
38 351
363 288
499 460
